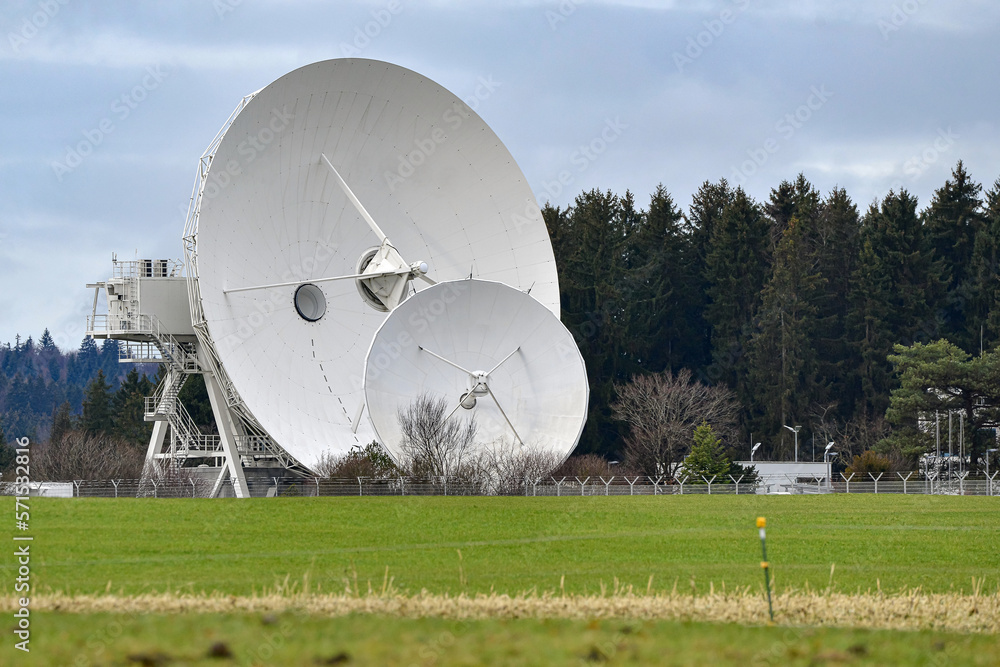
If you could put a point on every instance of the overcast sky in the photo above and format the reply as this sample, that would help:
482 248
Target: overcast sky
864 94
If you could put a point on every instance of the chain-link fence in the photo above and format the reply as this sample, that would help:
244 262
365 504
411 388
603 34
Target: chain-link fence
627 485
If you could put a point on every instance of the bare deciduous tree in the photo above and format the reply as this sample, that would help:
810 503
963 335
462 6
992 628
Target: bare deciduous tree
82 456
433 443
504 469
369 461
662 411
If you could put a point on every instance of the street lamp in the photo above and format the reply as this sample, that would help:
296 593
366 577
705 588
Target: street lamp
829 473
757 446
796 432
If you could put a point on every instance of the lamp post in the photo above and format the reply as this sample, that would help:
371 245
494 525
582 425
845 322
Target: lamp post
757 446
826 460
796 432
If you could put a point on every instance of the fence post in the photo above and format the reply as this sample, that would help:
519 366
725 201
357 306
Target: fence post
317 486
583 484
961 482
709 482
737 483
154 488
681 482
848 481
817 478
656 485
876 480
908 475
792 483
607 484
558 485
116 483
631 485
444 479
989 483
192 487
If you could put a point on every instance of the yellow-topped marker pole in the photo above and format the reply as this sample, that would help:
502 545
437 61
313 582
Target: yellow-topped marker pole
762 524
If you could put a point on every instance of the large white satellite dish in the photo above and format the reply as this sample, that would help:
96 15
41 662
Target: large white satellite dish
485 349
338 191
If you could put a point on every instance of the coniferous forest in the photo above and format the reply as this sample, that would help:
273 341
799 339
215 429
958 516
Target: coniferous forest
794 303
808 307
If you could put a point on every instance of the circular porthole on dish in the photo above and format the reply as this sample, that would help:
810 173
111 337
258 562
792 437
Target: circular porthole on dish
310 302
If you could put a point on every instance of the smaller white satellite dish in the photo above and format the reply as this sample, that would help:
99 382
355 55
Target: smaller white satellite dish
489 351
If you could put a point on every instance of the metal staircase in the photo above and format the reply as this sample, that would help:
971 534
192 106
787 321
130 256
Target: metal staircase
187 441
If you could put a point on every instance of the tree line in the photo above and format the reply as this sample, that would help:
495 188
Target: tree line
36 378
799 310
794 304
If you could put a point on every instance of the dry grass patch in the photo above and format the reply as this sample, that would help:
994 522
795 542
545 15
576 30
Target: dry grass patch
912 610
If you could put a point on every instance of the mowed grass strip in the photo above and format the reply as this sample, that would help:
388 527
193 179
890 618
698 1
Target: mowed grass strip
452 545
303 639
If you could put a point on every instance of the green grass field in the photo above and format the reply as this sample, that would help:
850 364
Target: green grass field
512 545
450 546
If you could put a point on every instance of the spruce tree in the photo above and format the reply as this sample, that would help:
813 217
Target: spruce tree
661 288
97 407
835 248
893 291
109 362
7 453
128 408
593 237
984 302
62 423
46 341
737 266
783 360
707 458
84 363
951 224
791 200
705 211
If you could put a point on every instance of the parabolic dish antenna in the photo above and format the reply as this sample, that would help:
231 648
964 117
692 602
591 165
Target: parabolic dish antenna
487 350
338 191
